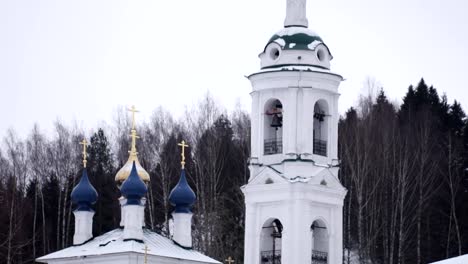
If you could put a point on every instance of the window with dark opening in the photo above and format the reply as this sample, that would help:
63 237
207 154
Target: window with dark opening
273 128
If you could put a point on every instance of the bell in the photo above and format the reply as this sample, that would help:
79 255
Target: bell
276 121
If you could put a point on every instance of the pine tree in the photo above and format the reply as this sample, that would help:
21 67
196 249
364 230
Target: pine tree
101 173
51 190
456 119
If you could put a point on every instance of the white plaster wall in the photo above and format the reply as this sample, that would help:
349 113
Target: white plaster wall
182 228
297 206
133 218
83 226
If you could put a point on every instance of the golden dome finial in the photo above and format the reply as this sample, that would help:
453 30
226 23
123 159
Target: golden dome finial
124 172
183 146
133 135
85 154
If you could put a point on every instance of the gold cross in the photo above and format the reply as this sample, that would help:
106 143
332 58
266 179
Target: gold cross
134 111
146 253
133 135
229 260
183 146
85 154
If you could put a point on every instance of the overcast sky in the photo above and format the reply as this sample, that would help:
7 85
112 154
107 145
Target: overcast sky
80 60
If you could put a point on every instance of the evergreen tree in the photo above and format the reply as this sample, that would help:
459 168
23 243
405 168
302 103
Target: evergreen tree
50 190
456 119
101 173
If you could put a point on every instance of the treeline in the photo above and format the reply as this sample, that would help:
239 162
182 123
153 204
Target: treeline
37 175
405 168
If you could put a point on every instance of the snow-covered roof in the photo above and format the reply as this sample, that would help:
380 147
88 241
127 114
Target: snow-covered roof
112 243
296 38
305 68
457 260
289 31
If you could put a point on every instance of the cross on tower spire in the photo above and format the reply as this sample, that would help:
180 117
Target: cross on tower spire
296 14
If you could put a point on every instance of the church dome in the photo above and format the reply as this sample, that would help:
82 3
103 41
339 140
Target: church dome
125 171
84 194
182 196
296 38
133 188
295 46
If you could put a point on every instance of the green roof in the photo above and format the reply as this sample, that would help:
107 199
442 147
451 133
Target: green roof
296 38
301 41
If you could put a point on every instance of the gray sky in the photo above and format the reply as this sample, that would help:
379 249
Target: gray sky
80 60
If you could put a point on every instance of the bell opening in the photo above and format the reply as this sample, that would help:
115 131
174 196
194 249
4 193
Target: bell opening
273 127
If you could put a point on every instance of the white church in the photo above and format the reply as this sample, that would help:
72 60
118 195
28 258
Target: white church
294 199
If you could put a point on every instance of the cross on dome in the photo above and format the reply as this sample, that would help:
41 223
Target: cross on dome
183 146
133 134
134 111
85 154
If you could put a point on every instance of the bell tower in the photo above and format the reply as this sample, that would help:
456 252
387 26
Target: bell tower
294 199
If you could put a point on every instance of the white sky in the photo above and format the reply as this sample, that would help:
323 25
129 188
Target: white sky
80 60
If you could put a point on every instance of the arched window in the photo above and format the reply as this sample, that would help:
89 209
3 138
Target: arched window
319 242
321 115
273 127
270 242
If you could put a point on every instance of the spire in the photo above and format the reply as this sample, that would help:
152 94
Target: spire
124 172
84 194
133 188
296 14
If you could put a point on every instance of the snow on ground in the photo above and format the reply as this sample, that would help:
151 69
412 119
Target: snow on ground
458 260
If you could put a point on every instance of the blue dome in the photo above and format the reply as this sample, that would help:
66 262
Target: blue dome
182 196
84 194
133 188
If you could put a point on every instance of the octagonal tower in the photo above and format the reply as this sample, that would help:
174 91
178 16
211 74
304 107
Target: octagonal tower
294 199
